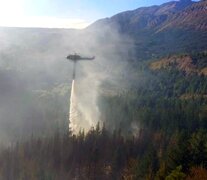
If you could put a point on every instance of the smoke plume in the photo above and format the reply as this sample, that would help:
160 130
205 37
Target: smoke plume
38 104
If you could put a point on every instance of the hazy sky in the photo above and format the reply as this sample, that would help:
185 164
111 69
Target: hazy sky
63 13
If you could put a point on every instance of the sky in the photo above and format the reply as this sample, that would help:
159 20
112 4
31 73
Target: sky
63 13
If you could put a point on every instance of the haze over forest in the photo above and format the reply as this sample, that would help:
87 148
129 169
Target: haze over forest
141 104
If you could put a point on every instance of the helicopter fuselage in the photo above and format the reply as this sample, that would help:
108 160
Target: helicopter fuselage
78 58
75 58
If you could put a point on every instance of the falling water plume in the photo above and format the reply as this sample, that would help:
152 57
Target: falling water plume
72 109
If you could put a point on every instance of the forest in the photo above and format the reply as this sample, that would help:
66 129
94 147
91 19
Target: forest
169 109
100 154
139 109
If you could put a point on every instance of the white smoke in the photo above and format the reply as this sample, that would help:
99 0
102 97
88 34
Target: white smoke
38 58
111 50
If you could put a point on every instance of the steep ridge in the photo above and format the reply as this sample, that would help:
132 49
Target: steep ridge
194 17
171 28
144 17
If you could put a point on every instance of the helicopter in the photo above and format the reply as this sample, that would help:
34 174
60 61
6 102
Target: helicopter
76 57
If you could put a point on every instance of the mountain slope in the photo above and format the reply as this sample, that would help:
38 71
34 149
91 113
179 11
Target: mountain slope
173 27
145 17
194 16
187 63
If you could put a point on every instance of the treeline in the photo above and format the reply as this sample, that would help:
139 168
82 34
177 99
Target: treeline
100 154
164 100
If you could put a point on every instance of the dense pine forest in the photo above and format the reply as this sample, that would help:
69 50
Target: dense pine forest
169 108
100 154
